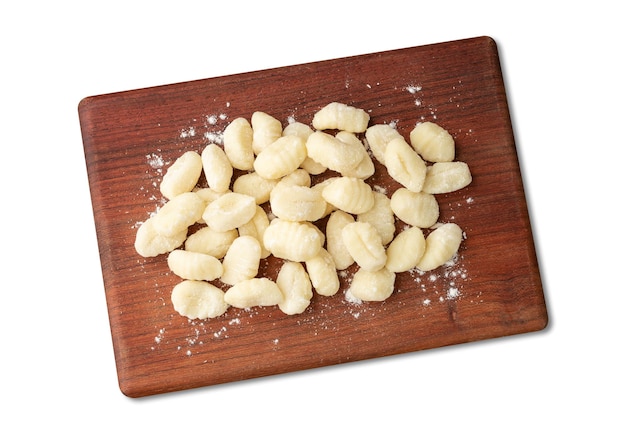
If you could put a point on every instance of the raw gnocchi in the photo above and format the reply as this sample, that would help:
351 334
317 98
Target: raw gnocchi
340 116
258 291
194 265
293 241
351 195
432 142
241 261
197 299
405 165
280 158
297 203
150 243
447 177
323 274
266 129
182 175
217 168
365 245
416 209
229 211
238 144
441 245
263 197
295 285
178 214
372 285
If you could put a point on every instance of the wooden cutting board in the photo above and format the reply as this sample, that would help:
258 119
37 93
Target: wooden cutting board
491 289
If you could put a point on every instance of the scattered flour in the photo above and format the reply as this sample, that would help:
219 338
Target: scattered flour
443 284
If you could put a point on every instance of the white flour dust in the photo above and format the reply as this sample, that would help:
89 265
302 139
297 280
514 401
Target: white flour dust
439 286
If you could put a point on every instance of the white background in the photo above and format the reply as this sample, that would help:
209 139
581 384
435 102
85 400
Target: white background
565 78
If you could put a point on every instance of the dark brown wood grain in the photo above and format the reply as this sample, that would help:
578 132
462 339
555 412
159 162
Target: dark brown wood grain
496 273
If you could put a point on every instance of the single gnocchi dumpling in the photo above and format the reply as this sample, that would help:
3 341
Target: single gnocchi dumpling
258 291
295 285
416 209
405 165
241 261
340 116
365 168
351 195
253 184
211 242
281 157
178 214
150 243
378 137
365 245
217 168
198 300
441 246
266 129
381 217
229 211
341 156
432 142
182 176
405 250
297 203
194 265
372 285
323 273
293 241
238 144
447 177
334 239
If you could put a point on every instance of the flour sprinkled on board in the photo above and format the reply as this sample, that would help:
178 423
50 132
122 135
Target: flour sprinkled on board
428 289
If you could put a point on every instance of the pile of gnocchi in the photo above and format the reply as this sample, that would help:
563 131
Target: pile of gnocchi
277 170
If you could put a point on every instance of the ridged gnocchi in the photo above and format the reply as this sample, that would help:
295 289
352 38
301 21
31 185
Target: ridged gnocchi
150 243
197 299
258 291
293 241
405 165
416 209
332 153
447 177
263 197
297 203
372 285
194 265
281 157
229 211
334 239
441 245
217 168
340 116
241 261
238 144
432 142
365 245
351 195
295 286
406 250
266 129
178 214
182 175
323 274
